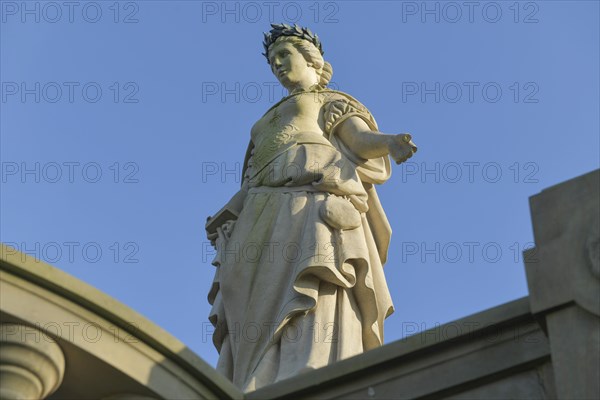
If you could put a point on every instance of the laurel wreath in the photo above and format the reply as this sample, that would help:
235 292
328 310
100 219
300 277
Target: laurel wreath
288 30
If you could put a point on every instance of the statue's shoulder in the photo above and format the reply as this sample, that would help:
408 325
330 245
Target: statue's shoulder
330 95
338 106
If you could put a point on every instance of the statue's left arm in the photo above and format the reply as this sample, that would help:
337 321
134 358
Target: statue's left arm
369 144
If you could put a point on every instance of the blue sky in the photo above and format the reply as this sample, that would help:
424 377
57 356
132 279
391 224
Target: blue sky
124 125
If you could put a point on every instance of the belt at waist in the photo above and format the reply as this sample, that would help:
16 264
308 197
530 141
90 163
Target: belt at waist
283 189
282 138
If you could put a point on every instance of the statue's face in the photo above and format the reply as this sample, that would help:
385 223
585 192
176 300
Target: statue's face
290 67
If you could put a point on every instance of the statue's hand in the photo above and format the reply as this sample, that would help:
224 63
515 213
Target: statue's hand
212 237
402 147
224 231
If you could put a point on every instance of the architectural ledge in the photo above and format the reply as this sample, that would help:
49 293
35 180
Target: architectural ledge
99 336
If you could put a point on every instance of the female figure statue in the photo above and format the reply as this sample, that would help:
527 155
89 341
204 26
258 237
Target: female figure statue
301 247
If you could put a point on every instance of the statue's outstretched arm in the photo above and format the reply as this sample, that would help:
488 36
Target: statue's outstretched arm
368 144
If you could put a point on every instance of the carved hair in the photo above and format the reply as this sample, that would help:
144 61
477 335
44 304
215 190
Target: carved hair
312 55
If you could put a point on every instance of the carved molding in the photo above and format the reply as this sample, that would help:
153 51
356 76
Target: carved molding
31 366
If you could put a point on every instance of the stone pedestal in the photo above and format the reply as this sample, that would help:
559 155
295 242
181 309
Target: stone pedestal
563 274
32 366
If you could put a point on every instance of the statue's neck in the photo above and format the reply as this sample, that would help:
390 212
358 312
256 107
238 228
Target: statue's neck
301 89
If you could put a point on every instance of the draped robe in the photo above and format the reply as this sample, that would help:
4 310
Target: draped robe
299 282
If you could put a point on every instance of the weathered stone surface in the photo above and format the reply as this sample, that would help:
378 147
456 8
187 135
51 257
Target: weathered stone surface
574 336
501 351
564 281
562 267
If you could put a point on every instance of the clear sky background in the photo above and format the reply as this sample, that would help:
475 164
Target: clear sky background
124 125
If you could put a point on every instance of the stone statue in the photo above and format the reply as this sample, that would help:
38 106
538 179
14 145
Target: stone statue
299 282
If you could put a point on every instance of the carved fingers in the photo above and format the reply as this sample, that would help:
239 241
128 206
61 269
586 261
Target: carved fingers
402 147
